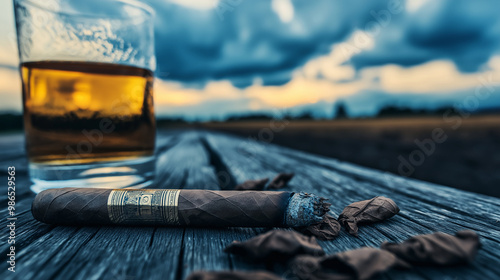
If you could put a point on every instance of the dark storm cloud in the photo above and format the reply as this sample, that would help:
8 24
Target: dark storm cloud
248 40
466 32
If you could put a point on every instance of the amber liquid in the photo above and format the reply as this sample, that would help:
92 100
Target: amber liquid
83 112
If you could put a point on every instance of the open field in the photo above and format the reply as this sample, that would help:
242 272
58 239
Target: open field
457 151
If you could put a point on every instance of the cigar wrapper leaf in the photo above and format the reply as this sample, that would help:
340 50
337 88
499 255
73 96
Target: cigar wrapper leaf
165 207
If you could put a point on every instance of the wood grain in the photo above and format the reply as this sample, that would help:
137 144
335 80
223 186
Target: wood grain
208 160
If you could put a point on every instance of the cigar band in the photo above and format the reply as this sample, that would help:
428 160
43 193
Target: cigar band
147 206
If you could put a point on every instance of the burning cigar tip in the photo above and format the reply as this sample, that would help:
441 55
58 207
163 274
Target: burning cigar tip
305 209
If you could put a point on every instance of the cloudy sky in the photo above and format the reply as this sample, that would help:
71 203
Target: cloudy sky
221 57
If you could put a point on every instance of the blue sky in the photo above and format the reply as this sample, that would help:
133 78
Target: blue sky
222 57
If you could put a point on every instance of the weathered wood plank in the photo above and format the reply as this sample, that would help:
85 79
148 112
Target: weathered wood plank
21 179
328 183
203 248
212 161
27 231
135 252
432 217
114 252
246 166
96 252
38 259
444 223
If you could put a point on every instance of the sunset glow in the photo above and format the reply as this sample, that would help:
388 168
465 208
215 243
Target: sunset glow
247 74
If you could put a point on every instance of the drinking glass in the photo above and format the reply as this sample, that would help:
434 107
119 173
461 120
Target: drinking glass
87 78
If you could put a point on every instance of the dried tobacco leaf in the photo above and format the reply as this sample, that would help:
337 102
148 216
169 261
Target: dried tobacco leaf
373 210
280 181
275 246
232 275
362 263
328 229
252 185
437 248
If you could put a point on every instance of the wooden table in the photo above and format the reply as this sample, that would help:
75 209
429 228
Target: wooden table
198 159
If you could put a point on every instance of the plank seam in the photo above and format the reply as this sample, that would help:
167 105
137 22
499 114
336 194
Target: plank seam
215 160
152 237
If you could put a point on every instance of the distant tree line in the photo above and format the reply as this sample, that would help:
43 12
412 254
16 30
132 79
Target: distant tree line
263 117
14 122
393 111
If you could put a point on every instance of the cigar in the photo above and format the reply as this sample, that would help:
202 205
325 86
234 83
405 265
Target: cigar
168 207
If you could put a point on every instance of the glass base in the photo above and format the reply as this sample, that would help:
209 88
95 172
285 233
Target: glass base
136 173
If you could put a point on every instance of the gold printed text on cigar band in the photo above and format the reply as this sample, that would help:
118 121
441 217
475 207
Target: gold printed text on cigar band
147 206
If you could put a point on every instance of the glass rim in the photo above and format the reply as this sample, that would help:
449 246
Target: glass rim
131 3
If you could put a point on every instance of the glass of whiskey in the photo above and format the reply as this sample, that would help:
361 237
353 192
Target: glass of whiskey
87 70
